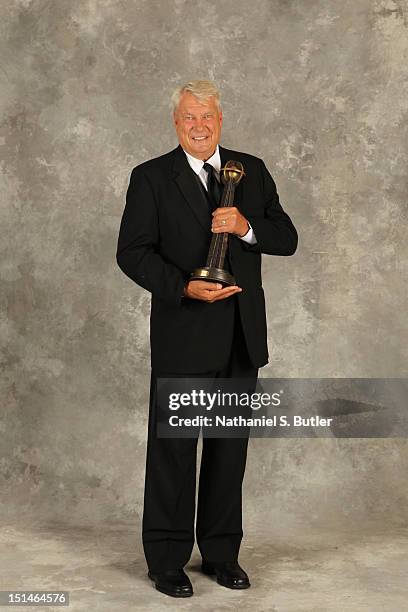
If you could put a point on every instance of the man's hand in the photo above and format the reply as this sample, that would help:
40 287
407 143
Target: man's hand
229 219
209 292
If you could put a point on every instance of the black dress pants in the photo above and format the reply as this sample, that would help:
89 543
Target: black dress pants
170 482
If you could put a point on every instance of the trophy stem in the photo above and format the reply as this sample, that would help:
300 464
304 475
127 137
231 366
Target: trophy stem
218 250
214 268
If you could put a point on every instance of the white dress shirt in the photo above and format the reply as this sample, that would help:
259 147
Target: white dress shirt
215 161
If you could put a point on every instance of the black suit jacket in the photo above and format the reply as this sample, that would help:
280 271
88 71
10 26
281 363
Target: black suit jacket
165 233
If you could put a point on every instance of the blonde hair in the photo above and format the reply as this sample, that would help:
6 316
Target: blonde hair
202 90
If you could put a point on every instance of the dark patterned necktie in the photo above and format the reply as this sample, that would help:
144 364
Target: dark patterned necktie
214 191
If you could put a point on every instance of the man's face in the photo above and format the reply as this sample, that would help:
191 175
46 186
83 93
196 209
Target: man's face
198 125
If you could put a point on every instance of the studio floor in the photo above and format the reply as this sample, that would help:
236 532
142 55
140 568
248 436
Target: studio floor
104 570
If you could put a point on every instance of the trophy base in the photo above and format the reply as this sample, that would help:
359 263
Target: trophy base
216 275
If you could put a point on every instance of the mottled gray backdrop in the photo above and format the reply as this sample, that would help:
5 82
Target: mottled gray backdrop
319 90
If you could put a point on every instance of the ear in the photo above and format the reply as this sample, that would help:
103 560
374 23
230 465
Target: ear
174 118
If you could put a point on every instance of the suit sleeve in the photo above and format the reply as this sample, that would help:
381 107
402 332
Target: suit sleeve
275 232
138 253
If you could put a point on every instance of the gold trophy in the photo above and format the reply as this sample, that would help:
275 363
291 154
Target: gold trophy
213 270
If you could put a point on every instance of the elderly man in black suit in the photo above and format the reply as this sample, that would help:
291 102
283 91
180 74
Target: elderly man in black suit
199 328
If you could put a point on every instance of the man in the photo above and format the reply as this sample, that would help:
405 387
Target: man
199 328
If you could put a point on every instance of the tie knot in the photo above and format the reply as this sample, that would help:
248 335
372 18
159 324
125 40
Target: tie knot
208 168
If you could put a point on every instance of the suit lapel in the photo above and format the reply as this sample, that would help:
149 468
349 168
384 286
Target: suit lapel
190 189
193 194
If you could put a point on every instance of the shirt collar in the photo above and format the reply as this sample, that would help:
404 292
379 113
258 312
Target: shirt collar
197 164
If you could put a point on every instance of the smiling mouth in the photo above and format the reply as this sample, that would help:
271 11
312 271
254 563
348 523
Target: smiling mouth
199 138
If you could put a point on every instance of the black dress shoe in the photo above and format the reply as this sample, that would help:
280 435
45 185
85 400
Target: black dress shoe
229 574
175 583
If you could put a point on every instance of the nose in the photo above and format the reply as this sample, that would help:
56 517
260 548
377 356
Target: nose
198 122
